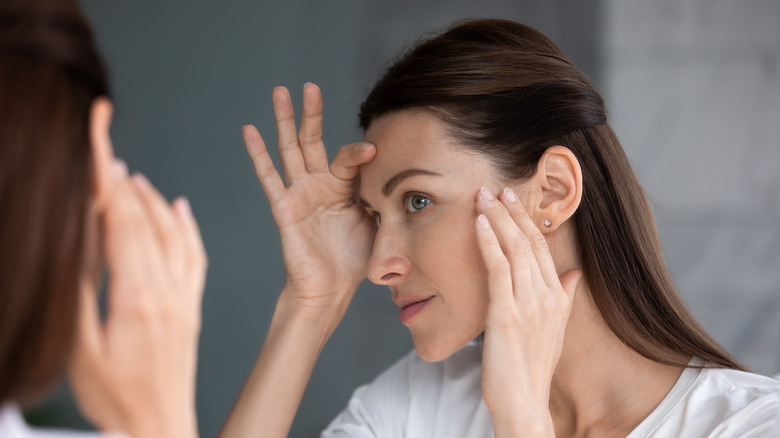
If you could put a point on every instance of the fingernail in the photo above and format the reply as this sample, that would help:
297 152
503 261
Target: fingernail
140 181
304 85
509 195
366 146
183 206
485 197
482 221
120 168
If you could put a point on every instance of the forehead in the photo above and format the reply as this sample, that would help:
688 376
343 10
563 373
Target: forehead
415 139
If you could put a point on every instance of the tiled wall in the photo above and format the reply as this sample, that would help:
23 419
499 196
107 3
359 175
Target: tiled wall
694 92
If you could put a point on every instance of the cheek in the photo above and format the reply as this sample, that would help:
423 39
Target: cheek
451 258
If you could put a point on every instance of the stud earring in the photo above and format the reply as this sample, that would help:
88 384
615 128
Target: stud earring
547 223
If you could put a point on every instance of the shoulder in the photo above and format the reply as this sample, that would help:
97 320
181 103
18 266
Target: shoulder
372 407
749 403
716 403
737 387
732 403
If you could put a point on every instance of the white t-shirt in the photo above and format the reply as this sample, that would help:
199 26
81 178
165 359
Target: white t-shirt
415 398
12 425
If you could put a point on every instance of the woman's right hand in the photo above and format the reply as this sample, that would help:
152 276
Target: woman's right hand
326 241
326 235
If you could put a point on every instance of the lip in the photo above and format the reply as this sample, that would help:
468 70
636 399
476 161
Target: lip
411 306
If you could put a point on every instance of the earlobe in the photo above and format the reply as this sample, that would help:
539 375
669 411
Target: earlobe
559 176
100 116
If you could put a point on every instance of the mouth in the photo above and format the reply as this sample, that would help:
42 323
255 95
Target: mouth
411 306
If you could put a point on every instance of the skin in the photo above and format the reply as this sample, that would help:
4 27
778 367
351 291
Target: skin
409 243
551 366
153 253
472 291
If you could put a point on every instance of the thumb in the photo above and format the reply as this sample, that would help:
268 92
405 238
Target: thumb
349 158
88 331
569 281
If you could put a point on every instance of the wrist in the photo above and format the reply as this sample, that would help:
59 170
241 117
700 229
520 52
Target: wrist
295 306
521 413
524 424
179 424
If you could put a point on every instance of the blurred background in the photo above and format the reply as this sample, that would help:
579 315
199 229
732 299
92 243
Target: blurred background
694 93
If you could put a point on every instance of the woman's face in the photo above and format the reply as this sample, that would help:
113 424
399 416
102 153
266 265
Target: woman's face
421 188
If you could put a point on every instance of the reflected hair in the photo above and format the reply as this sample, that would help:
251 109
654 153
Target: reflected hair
505 90
50 73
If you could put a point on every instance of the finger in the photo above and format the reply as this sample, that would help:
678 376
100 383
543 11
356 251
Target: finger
569 281
161 219
516 246
496 263
194 244
132 256
349 158
289 149
537 240
310 136
266 172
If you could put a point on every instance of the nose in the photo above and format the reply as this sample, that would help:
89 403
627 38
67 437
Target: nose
387 264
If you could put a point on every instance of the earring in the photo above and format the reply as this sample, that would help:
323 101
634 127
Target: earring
547 223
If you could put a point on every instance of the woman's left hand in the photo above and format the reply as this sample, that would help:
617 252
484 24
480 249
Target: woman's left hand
134 370
526 317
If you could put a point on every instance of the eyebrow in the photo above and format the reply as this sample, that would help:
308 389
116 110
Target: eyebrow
391 184
400 176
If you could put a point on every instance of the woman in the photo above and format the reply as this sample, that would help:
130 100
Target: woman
69 210
497 204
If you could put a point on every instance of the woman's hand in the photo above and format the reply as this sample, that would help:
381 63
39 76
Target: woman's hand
326 236
135 371
526 318
326 242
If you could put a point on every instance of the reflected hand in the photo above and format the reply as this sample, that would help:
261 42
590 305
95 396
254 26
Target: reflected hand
135 371
326 236
526 318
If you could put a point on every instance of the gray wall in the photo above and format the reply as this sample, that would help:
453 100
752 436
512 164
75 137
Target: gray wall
188 74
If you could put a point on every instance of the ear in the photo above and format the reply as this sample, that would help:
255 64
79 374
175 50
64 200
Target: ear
100 114
558 180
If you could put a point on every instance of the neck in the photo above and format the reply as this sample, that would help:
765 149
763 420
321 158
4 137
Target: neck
600 386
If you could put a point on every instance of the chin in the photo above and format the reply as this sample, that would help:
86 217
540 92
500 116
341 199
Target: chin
432 351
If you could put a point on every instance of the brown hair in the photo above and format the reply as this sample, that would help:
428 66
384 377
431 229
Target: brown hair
506 90
50 72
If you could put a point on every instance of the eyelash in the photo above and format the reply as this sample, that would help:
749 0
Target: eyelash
407 205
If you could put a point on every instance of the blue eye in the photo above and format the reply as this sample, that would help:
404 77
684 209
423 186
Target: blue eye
416 203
